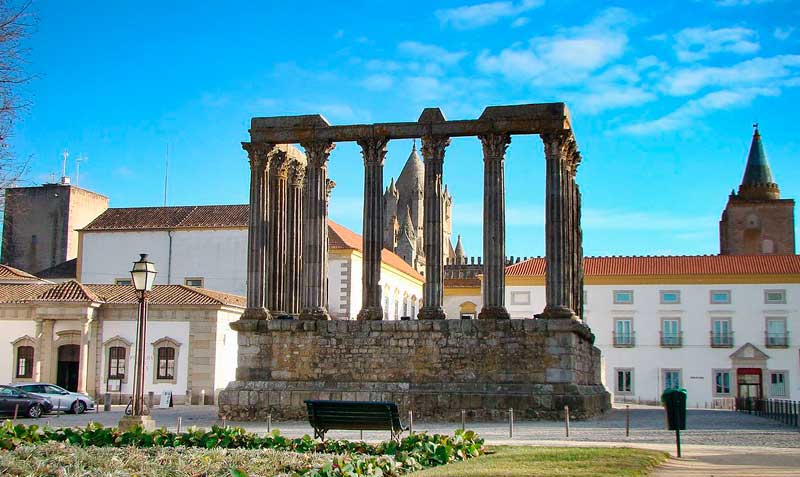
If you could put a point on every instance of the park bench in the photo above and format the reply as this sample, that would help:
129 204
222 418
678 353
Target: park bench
354 416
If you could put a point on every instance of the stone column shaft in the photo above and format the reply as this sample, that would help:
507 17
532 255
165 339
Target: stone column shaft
374 152
433 291
83 364
294 274
560 239
256 231
494 225
276 299
315 231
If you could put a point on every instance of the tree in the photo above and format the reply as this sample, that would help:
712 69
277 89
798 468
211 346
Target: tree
16 22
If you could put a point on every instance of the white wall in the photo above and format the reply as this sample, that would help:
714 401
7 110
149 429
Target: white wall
227 347
12 331
397 286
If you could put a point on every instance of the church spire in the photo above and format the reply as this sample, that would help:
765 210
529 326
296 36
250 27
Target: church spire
460 249
757 182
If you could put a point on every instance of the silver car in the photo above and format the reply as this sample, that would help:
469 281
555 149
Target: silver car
61 399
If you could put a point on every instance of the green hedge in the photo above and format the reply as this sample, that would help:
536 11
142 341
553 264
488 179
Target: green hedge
415 452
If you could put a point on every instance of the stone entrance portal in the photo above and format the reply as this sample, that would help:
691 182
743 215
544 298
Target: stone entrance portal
434 366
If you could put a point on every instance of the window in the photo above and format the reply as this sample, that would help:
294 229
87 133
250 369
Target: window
623 332
193 282
671 378
166 363
624 384
775 297
777 384
520 298
670 332
722 382
123 281
721 335
776 333
116 362
623 297
670 297
720 297
467 316
25 362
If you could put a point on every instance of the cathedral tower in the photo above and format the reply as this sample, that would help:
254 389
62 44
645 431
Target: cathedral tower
756 221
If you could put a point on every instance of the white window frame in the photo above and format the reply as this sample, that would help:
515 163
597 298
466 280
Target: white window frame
622 302
714 374
679 335
781 301
785 337
520 298
785 374
188 279
664 372
126 282
729 336
711 294
629 392
661 299
631 335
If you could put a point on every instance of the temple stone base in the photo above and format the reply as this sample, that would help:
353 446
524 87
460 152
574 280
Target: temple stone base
433 368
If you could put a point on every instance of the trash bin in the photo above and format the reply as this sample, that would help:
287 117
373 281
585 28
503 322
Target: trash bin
674 401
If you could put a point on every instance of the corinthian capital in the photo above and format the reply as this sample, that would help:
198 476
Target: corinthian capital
317 152
279 164
258 153
297 174
561 144
373 149
433 147
494 145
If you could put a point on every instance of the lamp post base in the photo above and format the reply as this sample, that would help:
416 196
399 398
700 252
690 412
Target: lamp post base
129 422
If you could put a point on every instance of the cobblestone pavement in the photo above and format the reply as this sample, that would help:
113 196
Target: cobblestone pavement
706 427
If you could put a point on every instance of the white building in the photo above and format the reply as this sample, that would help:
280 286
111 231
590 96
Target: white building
80 337
206 246
720 326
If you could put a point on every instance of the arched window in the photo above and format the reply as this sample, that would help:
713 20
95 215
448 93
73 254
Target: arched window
117 351
116 362
165 352
25 361
467 310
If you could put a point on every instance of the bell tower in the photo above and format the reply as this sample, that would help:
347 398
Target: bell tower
756 221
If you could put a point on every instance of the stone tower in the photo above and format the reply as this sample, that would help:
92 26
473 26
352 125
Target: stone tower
756 221
40 224
405 197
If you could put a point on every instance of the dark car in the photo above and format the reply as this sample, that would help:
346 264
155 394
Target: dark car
25 404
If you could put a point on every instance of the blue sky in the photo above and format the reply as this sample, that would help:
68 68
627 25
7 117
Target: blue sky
662 97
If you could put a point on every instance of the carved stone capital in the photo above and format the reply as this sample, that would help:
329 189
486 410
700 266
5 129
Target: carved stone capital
329 185
560 144
279 164
297 174
318 152
433 147
258 153
374 150
494 145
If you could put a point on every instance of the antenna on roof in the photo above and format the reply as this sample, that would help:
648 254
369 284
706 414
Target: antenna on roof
64 178
78 160
166 175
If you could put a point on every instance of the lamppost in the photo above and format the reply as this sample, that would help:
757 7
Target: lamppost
143 275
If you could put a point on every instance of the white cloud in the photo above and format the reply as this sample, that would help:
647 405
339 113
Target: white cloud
755 72
519 22
482 14
684 116
378 82
565 58
599 99
692 44
783 33
739 3
430 52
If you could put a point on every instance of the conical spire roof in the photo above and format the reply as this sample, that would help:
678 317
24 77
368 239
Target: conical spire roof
408 226
459 248
757 182
413 173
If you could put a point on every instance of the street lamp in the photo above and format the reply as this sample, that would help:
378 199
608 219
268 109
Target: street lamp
143 275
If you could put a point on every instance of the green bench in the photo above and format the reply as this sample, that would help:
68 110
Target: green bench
354 416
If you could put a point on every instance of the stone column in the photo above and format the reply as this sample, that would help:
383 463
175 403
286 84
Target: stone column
276 246
44 358
559 226
374 152
494 225
83 365
315 230
256 231
37 352
433 148
294 275
330 185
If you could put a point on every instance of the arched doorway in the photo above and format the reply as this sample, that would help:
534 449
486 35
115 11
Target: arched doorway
68 364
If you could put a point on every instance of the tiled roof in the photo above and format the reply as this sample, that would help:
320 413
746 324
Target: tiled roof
8 273
340 237
462 282
672 265
192 216
73 291
68 269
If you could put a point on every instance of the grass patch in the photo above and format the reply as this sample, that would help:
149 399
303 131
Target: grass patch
64 460
518 461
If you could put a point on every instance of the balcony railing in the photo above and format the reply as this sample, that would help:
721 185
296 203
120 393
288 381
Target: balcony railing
722 340
671 340
777 340
624 340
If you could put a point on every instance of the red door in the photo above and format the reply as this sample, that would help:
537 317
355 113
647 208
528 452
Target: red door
748 382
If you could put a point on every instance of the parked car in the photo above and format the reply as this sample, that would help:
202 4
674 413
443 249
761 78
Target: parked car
60 398
24 404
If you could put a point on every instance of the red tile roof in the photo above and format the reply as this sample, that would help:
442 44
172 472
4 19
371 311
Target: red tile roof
192 216
671 265
8 273
340 237
72 291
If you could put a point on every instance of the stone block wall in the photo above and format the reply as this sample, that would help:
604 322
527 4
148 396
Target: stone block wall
435 368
